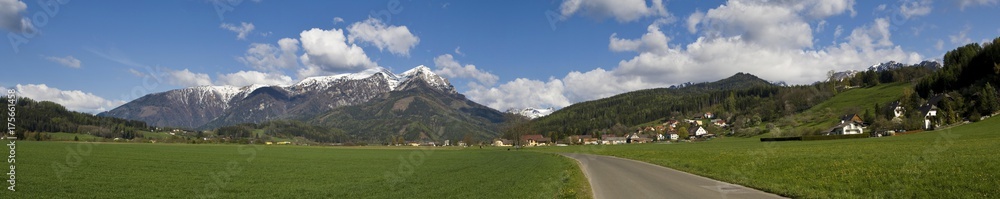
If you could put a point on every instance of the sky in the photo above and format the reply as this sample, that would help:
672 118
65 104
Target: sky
94 56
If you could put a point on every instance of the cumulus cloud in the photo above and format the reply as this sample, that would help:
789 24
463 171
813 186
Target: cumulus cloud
241 30
521 93
68 61
186 78
267 57
621 10
966 3
770 39
327 51
914 8
10 16
763 23
653 41
337 20
74 100
245 78
397 39
450 68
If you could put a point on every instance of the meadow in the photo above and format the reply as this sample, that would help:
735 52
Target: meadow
129 170
959 162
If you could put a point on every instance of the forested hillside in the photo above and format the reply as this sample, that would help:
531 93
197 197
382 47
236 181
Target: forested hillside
45 116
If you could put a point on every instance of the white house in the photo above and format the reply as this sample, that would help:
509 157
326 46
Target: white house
674 136
848 128
697 131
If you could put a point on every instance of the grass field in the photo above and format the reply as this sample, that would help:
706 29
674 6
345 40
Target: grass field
960 162
119 170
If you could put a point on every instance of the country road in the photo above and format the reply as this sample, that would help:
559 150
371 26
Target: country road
612 177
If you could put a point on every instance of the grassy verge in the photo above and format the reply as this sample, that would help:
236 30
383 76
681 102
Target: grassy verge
103 170
949 163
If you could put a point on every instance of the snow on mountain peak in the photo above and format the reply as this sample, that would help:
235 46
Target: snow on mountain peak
531 112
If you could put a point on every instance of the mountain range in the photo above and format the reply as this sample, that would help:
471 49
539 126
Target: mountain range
314 99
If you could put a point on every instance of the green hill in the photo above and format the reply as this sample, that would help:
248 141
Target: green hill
45 116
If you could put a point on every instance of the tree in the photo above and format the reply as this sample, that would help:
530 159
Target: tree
988 100
76 138
682 132
869 116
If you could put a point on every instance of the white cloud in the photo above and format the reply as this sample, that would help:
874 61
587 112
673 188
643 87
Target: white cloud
939 45
397 39
266 57
10 16
621 10
960 38
837 32
966 3
820 26
914 8
769 24
327 51
69 61
769 39
337 20
74 100
245 78
186 78
653 41
521 93
880 7
458 51
872 35
693 20
241 30
136 73
450 68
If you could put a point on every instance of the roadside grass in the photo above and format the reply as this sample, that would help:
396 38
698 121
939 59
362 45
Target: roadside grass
116 170
959 162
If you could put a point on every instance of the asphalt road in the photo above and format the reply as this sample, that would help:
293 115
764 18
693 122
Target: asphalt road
612 177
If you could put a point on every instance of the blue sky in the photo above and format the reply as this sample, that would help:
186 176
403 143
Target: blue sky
94 56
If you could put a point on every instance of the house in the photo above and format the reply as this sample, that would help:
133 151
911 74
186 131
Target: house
591 141
897 109
612 139
534 140
671 123
719 122
930 109
709 115
268 143
848 128
674 136
851 118
697 131
577 139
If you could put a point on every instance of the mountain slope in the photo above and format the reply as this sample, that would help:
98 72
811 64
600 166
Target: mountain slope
413 114
208 107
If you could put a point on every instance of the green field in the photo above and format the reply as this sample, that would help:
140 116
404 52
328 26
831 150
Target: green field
950 163
103 170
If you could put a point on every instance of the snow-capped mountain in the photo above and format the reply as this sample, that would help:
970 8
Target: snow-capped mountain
886 66
532 112
215 106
